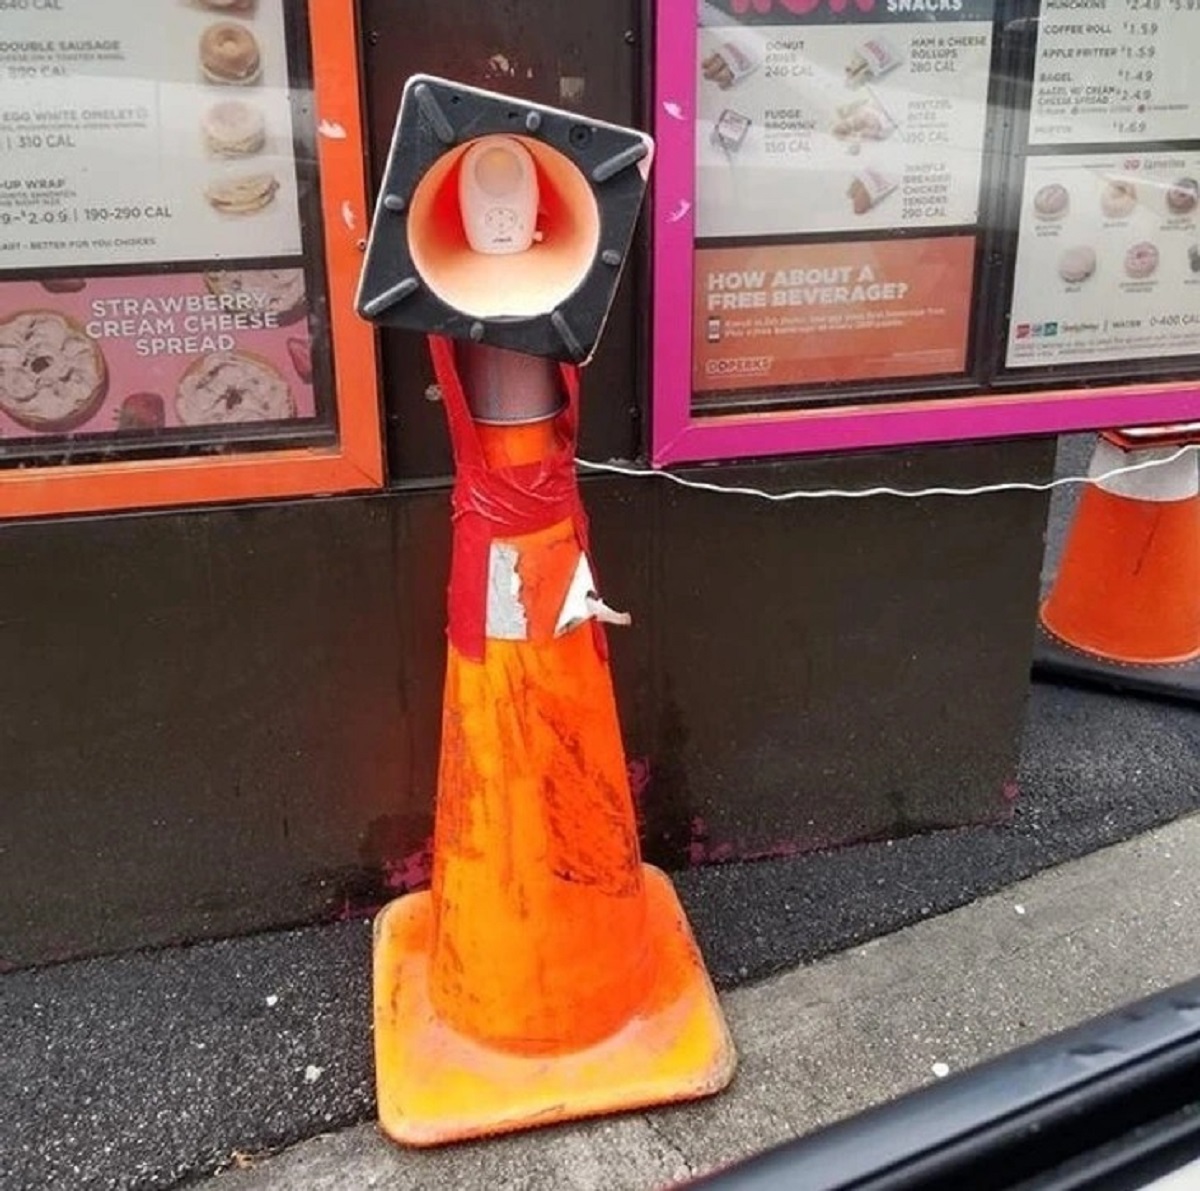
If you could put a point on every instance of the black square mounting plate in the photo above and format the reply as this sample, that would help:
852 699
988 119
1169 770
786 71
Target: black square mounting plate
438 117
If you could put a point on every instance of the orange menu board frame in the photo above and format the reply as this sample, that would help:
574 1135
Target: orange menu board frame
354 460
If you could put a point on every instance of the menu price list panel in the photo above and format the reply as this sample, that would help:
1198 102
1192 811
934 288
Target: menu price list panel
1107 267
1115 72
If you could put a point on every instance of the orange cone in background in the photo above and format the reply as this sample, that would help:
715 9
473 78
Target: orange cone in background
1128 586
548 974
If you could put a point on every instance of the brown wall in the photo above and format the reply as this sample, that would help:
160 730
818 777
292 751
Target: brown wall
226 720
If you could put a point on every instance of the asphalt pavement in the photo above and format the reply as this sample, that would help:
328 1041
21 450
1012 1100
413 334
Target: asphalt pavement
147 1070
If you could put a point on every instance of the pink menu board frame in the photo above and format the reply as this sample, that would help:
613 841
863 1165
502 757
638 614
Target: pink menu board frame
680 435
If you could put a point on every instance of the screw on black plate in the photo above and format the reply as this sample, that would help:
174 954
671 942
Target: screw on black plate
610 167
390 297
394 202
566 333
533 121
432 111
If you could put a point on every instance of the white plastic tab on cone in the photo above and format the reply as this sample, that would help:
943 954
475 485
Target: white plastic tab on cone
582 603
575 608
1165 482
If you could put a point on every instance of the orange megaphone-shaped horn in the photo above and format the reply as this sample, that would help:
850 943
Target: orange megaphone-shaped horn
421 271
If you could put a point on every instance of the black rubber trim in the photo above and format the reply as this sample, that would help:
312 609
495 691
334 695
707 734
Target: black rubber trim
1109 1104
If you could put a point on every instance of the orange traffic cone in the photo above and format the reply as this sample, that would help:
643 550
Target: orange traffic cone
548 974
1128 586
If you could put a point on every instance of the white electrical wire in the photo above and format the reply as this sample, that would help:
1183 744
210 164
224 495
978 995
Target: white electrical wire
860 493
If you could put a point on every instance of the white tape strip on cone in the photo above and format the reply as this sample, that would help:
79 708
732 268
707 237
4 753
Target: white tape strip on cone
1173 481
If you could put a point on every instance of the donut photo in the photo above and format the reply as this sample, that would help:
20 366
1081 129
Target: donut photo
1118 198
1077 264
225 388
53 376
1182 196
1141 261
1052 202
229 55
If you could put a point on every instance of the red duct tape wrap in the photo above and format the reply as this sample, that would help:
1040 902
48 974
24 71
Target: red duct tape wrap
498 503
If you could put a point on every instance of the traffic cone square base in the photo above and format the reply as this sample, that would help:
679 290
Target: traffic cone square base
434 1085
1056 660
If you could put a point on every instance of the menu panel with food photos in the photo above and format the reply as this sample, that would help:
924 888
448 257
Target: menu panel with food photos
136 355
154 132
155 289
1108 259
815 118
926 218
831 139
